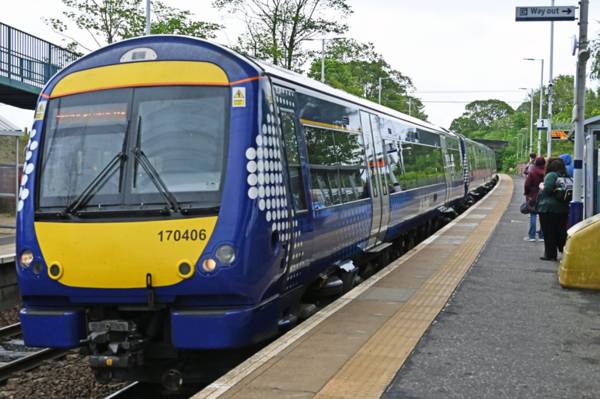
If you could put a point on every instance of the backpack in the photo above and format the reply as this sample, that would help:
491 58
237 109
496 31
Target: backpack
564 189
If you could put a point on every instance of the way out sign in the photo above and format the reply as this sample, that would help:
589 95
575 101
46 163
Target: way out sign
558 13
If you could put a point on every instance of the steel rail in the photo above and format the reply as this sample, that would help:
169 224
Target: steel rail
10 331
30 361
134 390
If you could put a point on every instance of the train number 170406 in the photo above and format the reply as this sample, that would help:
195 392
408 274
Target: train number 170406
182 235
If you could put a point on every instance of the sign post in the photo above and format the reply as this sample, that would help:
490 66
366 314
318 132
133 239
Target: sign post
555 13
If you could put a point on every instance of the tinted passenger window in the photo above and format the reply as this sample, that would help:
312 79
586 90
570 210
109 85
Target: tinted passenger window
288 127
417 166
336 161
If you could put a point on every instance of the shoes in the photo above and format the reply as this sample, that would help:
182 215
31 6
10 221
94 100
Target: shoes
545 258
528 239
541 239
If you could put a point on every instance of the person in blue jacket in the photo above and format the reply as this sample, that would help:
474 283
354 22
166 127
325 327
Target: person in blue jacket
568 164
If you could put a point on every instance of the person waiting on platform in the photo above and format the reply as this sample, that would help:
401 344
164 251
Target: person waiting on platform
568 164
552 210
532 188
530 165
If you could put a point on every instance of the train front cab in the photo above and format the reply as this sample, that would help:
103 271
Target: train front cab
157 249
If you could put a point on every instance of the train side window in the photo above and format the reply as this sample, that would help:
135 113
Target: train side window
422 166
351 160
337 166
288 126
322 162
394 165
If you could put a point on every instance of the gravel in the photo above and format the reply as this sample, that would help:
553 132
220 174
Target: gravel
9 316
69 377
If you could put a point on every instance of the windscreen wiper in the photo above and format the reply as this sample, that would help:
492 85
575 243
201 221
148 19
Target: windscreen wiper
96 184
145 163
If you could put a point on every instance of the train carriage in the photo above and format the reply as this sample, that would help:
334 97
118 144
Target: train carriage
178 196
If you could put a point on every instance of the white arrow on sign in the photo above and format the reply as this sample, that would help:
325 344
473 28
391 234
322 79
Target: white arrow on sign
559 13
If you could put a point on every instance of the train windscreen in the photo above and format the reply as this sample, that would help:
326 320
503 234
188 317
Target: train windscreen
135 148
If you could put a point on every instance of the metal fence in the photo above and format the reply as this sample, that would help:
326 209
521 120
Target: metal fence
29 59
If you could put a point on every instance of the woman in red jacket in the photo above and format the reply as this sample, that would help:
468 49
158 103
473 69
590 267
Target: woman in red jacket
535 176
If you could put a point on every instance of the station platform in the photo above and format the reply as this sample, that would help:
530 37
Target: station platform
356 347
7 253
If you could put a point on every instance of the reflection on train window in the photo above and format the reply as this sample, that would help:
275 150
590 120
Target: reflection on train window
293 160
415 165
177 126
337 166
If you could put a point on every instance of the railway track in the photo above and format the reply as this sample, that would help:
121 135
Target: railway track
141 390
15 357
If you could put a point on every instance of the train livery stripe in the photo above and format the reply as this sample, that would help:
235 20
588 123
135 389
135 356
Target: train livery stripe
121 254
329 126
139 74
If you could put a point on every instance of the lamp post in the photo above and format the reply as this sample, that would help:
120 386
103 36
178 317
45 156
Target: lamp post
576 206
323 40
147 17
550 94
530 94
379 88
540 128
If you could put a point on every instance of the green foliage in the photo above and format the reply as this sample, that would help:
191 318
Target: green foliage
513 127
277 29
356 68
481 115
108 21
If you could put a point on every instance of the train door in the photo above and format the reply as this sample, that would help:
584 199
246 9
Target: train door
465 166
377 167
448 168
295 260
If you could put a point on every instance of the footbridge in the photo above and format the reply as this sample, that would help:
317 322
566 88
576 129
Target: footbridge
27 62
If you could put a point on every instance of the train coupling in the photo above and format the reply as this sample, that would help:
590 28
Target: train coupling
115 344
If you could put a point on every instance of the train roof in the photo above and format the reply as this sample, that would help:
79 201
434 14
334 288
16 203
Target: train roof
265 68
305 81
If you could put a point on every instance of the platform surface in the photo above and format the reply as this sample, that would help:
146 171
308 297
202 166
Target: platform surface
7 253
509 331
353 347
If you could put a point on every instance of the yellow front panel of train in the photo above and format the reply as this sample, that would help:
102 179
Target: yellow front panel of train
121 254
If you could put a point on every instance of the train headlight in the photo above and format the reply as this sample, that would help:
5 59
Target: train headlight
209 265
226 254
26 258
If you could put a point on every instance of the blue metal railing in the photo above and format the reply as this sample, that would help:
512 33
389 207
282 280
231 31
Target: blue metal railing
28 59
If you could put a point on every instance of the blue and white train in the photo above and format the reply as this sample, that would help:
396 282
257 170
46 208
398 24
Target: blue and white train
178 196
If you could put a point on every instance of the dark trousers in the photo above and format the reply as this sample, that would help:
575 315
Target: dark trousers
554 226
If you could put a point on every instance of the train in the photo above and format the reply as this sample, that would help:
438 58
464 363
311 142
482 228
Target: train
179 198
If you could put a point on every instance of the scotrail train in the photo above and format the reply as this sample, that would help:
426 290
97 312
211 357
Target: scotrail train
179 197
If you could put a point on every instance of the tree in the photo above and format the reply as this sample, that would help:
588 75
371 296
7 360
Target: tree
356 68
277 29
108 21
480 115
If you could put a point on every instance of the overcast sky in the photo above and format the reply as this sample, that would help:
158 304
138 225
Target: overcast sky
455 51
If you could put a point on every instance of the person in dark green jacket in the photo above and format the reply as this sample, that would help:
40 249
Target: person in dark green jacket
552 210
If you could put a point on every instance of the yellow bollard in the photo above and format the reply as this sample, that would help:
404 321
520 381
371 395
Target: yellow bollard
580 264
